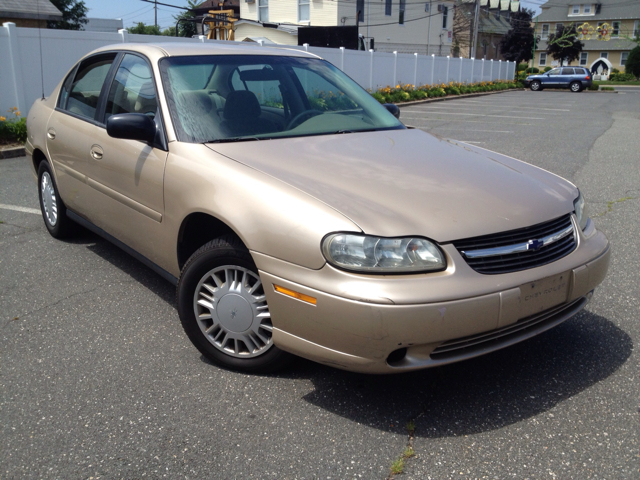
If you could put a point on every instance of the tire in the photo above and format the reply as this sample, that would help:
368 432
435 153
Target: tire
223 308
535 86
54 213
575 87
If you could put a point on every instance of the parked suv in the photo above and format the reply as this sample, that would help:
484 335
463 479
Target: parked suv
574 78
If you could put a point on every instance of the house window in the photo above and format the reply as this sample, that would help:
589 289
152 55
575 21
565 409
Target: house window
545 31
360 11
615 29
623 58
445 16
586 9
559 27
387 7
402 8
575 10
303 10
543 59
583 58
263 10
636 28
604 55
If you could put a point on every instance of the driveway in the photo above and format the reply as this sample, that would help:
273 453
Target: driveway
97 378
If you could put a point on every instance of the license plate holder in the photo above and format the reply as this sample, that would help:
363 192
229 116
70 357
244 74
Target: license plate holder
543 294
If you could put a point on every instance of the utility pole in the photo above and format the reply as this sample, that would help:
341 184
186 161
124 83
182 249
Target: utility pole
156 11
475 29
429 27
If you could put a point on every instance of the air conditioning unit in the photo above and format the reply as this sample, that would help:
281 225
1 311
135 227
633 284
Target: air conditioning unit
249 1
440 7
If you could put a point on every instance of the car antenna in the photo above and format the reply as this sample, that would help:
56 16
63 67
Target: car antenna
40 48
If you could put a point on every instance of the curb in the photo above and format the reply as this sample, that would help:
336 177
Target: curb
12 152
454 97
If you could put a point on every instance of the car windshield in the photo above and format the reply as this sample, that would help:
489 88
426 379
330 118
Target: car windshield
222 98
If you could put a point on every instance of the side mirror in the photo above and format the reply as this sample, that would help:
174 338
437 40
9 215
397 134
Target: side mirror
393 109
132 126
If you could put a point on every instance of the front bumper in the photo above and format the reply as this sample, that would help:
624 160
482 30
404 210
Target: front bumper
387 324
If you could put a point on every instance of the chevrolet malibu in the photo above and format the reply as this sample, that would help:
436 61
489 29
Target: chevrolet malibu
296 215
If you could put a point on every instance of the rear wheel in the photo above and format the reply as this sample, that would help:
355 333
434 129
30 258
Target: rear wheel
575 87
53 210
224 311
535 86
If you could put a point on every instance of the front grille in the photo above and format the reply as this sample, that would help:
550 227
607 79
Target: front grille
471 346
486 261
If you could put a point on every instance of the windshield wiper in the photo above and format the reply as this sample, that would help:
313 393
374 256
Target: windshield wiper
234 139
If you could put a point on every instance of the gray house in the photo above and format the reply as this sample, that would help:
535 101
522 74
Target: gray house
28 13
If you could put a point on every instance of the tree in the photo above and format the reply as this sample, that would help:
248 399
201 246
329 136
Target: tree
632 64
517 44
142 29
564 44
74 15
187 29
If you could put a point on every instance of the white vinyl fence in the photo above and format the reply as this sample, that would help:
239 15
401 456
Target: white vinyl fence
33 60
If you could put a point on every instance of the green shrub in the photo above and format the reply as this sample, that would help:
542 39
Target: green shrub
607 89
522 66
632 65
593 86
532 70
379 97
621 77
615 70
546 69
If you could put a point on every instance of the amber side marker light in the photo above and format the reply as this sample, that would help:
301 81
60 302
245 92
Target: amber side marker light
298 295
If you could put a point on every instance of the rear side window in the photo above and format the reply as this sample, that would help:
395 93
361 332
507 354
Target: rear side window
567 71
80 95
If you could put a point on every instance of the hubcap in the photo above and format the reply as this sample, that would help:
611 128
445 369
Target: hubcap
49 204
232 312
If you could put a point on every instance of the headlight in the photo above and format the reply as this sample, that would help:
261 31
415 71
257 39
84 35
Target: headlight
364 253
581 211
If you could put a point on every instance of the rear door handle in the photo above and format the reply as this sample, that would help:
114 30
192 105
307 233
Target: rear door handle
97 152
51 133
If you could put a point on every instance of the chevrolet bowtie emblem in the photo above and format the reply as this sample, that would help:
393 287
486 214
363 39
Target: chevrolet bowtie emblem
535 245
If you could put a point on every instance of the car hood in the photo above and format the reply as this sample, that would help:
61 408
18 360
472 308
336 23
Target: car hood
408 182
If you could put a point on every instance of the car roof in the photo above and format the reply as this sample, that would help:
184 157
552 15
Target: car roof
156 51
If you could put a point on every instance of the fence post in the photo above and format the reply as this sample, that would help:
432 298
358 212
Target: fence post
460 72
124 34
473 69
395 68
15 69
482 72
433 66
342 58
499 69
446 78
306 47
415 72
371 69
491 74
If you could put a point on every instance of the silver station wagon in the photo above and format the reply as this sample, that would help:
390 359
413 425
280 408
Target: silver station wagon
296 215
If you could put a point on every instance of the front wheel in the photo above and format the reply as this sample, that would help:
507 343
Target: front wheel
223 308
575 87
535 86
53 210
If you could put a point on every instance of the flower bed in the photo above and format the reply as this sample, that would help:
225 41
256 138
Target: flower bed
408 93
13 129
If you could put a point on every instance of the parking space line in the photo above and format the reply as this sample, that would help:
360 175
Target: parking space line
486 115
20 209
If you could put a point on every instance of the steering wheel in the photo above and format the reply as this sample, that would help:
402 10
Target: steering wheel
295 121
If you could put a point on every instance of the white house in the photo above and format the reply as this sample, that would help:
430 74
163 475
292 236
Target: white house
387 25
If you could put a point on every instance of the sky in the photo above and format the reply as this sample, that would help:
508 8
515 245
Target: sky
134 11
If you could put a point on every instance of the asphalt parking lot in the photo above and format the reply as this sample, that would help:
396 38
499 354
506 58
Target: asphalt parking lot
98 380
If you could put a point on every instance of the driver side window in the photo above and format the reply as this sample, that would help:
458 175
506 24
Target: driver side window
133 89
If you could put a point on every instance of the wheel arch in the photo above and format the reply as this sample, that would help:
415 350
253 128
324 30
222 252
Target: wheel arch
196 230
38 157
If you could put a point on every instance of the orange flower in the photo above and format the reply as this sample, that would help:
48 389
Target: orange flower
17 113
2 119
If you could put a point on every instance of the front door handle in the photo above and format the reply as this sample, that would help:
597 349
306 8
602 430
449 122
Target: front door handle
97 152
51 133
